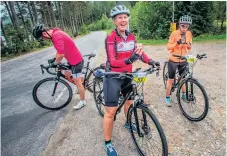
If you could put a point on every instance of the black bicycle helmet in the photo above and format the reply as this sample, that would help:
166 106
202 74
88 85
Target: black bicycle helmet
37 31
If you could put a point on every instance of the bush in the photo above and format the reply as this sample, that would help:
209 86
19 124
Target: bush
83 30
103 23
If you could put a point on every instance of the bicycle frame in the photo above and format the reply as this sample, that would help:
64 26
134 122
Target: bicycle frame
67 68
136 103
132 93
183 77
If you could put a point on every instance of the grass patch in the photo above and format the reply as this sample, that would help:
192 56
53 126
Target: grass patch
202 38
152 42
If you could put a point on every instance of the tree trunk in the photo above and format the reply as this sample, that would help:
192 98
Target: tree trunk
30 13
2 45
223 19
34 12
60 16
48 15
81 16
58 21
22 17
52 17
44 18
71 22
14 15
4 34
7 7
75 19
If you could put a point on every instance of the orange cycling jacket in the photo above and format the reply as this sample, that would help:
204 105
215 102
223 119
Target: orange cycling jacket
179 49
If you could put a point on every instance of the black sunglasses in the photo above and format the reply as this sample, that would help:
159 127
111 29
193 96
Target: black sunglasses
184 25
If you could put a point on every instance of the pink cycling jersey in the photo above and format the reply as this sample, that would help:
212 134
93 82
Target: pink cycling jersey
64 44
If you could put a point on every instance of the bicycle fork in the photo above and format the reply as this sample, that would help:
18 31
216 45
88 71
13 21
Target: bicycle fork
56 83
144 124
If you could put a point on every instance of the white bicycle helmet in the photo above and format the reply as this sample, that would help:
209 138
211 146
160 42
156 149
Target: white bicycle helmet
119 9
185 20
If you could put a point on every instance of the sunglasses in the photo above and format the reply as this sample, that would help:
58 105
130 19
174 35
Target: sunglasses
184 26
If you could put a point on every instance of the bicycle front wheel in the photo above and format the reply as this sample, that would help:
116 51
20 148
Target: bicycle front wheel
99 95
194 102
52 95
147 133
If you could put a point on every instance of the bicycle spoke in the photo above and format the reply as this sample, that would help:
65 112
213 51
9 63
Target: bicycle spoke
195 107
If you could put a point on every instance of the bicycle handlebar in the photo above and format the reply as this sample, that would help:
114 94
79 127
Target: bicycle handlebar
128 75
185 57
47 69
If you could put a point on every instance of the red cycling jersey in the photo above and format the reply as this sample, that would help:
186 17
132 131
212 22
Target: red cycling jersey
118 49
64 44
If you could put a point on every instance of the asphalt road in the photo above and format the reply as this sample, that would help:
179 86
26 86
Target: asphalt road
25 127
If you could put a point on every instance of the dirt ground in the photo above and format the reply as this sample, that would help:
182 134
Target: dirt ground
81 132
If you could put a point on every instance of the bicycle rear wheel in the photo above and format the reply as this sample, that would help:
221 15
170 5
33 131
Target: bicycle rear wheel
195 104
149 137
52 95
89 80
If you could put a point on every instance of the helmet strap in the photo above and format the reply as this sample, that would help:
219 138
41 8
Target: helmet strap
48 35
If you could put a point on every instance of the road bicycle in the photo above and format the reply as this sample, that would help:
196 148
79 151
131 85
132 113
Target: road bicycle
54 93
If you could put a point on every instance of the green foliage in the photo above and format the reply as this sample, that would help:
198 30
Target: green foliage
102 24
151 19
83 30
19 41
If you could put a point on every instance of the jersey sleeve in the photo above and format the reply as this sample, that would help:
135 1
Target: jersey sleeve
171 42
190 40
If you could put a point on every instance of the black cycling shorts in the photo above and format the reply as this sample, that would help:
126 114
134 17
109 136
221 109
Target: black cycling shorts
172 66
112 89
77 69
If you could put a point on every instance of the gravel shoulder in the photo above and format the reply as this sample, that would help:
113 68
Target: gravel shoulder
81 132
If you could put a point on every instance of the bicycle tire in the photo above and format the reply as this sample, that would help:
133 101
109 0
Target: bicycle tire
97 95
156 123
204 114
37 100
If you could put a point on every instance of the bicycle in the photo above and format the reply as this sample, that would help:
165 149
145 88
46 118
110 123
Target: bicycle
190 84
139 113
59 91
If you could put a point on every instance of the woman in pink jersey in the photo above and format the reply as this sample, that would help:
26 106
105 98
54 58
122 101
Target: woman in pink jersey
65 47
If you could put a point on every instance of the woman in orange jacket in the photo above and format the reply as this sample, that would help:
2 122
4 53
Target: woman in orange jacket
180 42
